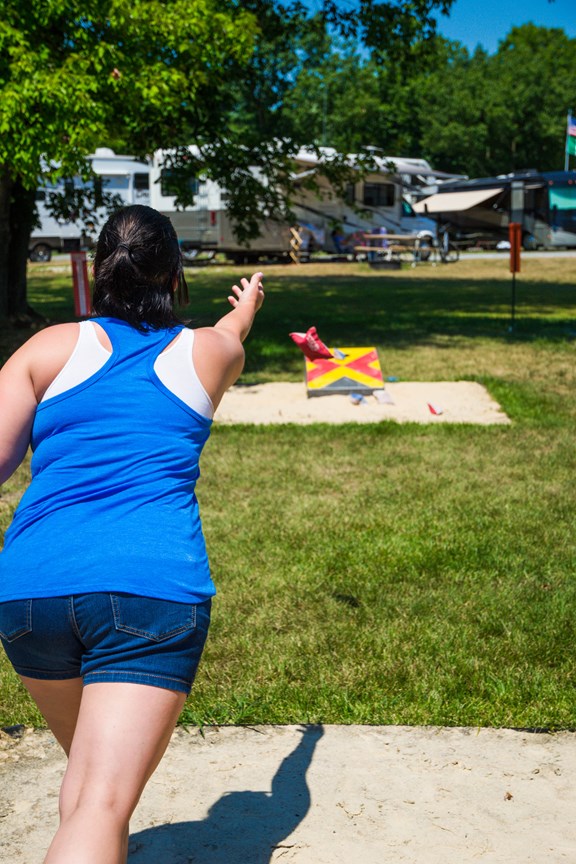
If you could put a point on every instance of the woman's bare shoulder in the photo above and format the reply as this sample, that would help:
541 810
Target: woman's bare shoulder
55 332
58 338
43 356
218 359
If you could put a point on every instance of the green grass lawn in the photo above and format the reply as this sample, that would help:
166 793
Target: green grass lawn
388 574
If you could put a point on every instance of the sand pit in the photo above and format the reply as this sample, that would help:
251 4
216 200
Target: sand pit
282 402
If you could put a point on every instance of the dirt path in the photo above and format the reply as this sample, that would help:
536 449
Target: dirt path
323 795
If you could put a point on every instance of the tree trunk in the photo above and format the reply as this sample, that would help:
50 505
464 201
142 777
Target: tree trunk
21 222
5 196
16 221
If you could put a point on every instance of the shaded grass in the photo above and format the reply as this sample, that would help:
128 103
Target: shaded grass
390 573
414 311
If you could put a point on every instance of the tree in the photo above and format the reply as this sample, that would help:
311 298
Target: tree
350 99
144 74
491 114
74 75
262 132
455 111
533 79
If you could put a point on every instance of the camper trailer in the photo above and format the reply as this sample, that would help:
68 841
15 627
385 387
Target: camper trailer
121 175
323 220
480 211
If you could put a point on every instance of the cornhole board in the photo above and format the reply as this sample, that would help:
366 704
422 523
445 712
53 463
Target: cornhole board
357 372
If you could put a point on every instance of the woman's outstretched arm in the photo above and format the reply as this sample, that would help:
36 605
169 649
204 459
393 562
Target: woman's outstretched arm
218 352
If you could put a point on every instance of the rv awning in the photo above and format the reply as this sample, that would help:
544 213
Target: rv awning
453 202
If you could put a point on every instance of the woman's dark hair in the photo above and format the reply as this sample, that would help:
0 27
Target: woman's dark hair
137 268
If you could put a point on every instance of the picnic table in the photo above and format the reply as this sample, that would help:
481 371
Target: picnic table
390 247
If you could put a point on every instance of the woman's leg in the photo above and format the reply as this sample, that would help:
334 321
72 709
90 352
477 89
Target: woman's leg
59 704
120 737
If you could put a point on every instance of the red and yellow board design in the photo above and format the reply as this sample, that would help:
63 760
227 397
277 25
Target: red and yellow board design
357 371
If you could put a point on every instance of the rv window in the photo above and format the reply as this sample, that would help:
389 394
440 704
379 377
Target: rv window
141 182
563 197
115 181
379 194
169 186
563 208
535 201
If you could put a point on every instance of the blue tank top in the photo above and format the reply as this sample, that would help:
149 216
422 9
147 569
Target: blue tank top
111 505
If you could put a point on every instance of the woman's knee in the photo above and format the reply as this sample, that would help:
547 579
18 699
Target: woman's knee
110 802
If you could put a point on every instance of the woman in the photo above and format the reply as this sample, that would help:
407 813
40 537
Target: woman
104 581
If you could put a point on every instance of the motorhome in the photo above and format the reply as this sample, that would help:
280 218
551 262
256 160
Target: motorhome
478 212
123 176
323 220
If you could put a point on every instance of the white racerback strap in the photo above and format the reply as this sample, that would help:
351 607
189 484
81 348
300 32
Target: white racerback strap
175 369
87 358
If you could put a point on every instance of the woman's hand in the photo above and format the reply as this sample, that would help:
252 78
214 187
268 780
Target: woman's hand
250 293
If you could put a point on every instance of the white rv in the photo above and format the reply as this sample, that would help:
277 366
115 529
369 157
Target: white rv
324 220
122 175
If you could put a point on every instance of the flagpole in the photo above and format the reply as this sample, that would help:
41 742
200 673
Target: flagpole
566 151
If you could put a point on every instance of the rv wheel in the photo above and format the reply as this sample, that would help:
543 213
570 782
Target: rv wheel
529 242
41 252
244 257
425 249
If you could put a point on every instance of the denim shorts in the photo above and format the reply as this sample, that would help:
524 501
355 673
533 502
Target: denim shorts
106 637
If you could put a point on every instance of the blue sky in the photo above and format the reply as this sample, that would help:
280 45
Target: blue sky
487 21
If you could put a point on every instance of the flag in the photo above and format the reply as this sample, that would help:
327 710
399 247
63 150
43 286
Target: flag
571 136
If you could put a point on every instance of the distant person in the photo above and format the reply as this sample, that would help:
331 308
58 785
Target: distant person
307 244
379 244
105 588
337 235
383 231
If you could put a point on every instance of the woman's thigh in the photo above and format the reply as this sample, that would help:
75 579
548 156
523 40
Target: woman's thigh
59 704
122 732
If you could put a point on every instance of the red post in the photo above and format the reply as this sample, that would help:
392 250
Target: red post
515 237
81 286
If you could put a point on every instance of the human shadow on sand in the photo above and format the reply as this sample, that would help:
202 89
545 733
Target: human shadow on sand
240 827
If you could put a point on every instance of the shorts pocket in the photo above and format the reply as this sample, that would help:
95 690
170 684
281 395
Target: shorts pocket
150 618
15 619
